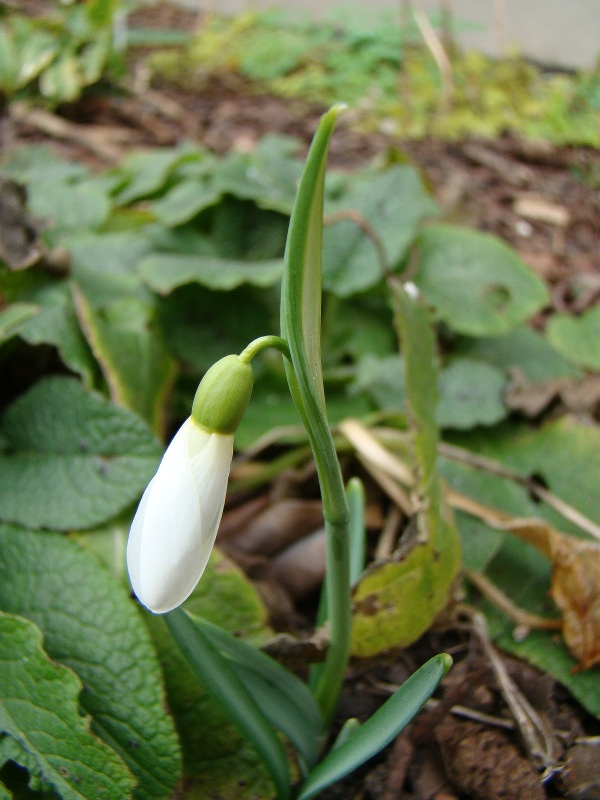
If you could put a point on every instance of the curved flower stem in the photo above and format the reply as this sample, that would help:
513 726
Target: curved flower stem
263 343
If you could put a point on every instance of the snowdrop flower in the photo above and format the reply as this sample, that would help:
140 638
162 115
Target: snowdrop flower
174 528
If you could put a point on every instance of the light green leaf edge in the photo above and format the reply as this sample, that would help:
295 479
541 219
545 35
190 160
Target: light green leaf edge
220 680
284 699
379 730
301 289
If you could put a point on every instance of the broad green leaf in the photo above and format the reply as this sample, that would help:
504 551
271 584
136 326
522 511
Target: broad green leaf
382 379
218 761
4 793
146 172
577 338
476 283
12 317
392 204
379 730
39 710
9 60
565 454
201 326
70 459
397 600
164 272
57 324
69 205
185 201
268 176
522 348
90 625
470 394
36 52
130 349
104 266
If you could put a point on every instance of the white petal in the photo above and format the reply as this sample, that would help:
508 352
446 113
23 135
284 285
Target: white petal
174 529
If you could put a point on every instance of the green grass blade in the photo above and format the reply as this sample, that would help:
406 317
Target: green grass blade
283 698
221 682
378 730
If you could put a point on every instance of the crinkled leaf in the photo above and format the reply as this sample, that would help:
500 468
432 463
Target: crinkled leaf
392 203
131 352
90 624
476 283
577 338
379 730
470 394
71 459
164 272
39 710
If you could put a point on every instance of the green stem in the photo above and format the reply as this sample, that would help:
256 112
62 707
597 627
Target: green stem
263 343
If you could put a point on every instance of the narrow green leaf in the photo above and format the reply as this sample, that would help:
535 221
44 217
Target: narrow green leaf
284 699
39 710
301 327
379 730
90 625
71 459
221 682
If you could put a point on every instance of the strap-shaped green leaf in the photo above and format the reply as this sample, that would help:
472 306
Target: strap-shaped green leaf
283 698
222 683
378 730
301 328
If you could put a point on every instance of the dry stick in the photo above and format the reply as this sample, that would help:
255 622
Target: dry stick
440 56
495 468
537 737
506 605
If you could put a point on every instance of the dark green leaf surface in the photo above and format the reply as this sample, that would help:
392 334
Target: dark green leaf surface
39 710
470 395
476 283
90 625
71 459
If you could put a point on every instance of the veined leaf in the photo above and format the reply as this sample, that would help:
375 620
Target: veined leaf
39 711
90 624
70 459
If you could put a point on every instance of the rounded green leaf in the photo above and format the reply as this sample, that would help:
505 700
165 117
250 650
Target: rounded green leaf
577 338
475 282
470 395
71 459
90 624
